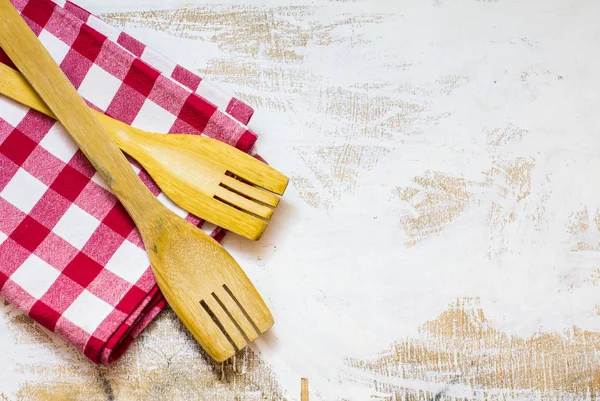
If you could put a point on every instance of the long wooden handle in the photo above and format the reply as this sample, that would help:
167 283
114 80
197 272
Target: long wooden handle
14 86
46 77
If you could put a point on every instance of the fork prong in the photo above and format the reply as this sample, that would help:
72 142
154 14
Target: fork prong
250 191
239 316
232 331
247 167
212 338
243 203
258 312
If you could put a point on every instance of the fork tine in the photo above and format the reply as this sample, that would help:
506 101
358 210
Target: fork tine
246 325
250 191
247 167
257 311
243 203
230 328
218 344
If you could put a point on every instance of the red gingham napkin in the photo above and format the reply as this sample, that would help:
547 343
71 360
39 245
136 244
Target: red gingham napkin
70 256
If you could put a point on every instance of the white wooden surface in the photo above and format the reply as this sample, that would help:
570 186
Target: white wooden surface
441 233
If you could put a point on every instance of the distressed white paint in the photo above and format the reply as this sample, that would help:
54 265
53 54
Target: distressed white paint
340 281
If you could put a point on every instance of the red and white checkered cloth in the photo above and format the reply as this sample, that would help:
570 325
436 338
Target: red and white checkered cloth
70 256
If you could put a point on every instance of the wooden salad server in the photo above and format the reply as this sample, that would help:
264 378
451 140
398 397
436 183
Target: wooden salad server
204 285
191 170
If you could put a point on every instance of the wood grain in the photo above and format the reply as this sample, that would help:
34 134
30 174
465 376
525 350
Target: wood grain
442 207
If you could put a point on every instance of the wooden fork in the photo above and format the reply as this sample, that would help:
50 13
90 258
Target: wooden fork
191 170
203 284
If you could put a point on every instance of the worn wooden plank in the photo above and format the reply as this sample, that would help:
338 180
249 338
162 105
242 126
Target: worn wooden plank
440 239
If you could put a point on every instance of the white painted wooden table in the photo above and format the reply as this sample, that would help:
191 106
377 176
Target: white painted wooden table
441 233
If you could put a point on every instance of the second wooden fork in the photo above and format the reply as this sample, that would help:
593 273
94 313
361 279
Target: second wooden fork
208 178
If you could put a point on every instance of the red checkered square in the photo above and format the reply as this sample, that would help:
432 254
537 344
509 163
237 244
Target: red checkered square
67 329
197 111
109 287
102 245
168 95
10 217
105 331
96 200
44 315
131 44
56 251
82 269
5 129
80 163
39 11
16 295
5 60
181 127
93 348
119 221
126 105
75 66
136 239
12 256
43 165
141 77
131 300
89 42
246 141
147 281
186 77
19 4
50 208
3 279
77 11
62 294
29 234
35 125
17 147
7 171
193 220
113 60
68 32
240 111
69 183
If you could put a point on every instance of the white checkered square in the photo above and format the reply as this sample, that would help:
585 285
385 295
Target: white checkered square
35 276
3 237
154 118
208 228
103 28
159 62
12 112
99 87
88 311
213 95
129 262
23 191
58 142
76 226
170 205
98 180
56 47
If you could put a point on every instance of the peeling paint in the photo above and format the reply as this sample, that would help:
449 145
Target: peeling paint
466 355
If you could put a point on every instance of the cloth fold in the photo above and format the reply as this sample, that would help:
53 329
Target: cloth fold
70 256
